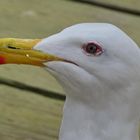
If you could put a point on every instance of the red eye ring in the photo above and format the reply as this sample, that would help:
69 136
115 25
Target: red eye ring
93 48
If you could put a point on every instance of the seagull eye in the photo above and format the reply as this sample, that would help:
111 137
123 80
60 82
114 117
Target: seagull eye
93 48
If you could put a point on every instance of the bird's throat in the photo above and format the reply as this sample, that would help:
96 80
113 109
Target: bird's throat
80 122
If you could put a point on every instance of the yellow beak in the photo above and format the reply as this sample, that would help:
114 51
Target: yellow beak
20 51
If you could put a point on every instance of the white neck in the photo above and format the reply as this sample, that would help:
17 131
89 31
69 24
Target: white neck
99 109
82 122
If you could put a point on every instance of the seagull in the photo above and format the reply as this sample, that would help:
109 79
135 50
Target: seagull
98 66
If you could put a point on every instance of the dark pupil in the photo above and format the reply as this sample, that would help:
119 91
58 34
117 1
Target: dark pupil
91 48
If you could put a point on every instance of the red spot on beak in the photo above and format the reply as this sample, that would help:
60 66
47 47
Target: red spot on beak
2 60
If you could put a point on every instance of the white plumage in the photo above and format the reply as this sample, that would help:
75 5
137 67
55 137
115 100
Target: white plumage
103 91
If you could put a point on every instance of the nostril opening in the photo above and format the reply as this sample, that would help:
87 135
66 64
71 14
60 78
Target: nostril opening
11 47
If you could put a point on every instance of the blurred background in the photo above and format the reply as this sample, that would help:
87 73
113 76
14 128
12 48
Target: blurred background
28 116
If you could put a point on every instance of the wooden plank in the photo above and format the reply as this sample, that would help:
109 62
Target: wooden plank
111 6
32 117
28 116
135 4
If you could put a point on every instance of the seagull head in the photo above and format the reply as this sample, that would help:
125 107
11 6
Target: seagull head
96 52
98 66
